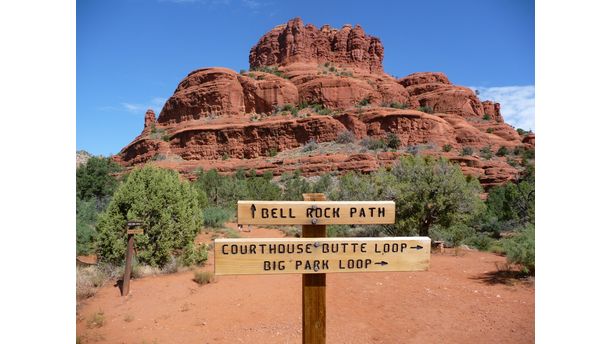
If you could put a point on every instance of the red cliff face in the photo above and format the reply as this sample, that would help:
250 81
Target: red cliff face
318 84
294 42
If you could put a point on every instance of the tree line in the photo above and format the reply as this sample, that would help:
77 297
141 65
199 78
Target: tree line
433 198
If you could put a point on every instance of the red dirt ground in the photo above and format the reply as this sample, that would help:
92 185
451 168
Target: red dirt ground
461 299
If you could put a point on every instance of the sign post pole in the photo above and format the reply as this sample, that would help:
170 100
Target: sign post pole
133 227
313 288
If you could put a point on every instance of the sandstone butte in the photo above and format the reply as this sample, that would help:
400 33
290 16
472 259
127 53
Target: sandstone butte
334 78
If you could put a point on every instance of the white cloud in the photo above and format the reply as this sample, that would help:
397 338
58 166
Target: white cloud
134 108
517 103
252 4
156 103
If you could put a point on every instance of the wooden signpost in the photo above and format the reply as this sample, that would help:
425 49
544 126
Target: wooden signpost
133 227
314 255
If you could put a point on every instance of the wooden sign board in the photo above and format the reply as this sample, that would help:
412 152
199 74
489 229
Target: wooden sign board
134 223
320 255
135 231
315 212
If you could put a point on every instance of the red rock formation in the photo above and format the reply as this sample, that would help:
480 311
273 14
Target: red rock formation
294 42
149 118
220 119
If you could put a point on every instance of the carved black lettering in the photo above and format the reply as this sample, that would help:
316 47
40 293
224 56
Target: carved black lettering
336 212
309 212
298 263
372 211
272 249
381 212
362 213
326 264
265 213
267 265
368 262
376 250
307 266
252 249
363 247
354 244
223 247
326 212
352 211
273 213
263 248
291 213
344 244
404 246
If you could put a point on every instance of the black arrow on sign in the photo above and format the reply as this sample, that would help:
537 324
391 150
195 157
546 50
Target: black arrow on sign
418 247
253 210
382 263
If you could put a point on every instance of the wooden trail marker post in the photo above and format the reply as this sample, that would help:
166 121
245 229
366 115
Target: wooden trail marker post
132 227
314 254
313 287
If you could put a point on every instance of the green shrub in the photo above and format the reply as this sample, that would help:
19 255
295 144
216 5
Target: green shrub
393 141
521 131
447 147
167 206
86 217
486 152
486 117
345 137
364 102
453 235
94 179
520 249
426 109
216 217
193 255
467 151
294 185
272 152
430 192
398 105
270 70
310 146
502 151
497 247
480 241
373 144
490 130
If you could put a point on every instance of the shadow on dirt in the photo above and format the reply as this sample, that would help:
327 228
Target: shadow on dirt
505 275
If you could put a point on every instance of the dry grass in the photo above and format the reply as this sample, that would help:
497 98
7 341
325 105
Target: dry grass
128 318
96 320
203 277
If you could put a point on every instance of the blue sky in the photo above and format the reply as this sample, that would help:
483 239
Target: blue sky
131 54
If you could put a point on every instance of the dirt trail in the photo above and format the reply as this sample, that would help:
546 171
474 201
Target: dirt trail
461 299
